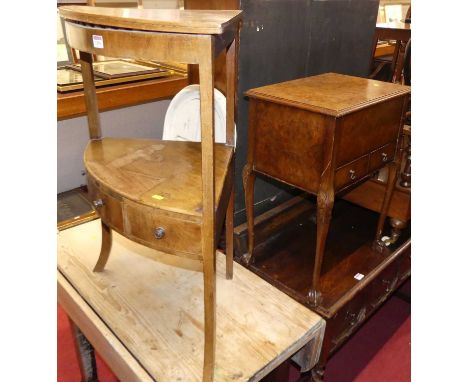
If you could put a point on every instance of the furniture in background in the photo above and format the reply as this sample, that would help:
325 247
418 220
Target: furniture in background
323 134
401 33
371 193
171 196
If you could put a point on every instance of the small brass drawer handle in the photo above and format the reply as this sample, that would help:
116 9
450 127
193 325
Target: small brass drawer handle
98 203
384 157
352 174
159 233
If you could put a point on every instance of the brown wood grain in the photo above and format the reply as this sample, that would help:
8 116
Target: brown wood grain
144 314
166 195
72 104
155 20
330 93
323 134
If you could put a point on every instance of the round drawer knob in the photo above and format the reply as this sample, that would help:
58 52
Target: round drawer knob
159 232
384 157
98 203
352 174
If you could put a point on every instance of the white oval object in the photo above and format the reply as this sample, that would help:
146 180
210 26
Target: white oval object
182 121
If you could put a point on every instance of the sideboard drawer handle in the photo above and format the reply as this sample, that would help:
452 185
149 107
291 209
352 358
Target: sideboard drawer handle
98 203
159 233
352 174
384 157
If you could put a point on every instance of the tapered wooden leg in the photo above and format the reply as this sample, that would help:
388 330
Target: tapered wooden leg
210 322
106 245
325 202
206 70
230 237
248 178
391 182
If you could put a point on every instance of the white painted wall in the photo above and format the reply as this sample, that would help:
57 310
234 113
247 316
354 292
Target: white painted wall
141 121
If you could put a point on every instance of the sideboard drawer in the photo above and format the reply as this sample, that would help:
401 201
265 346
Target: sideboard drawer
381 156
157 230
346 320
351 172
383 285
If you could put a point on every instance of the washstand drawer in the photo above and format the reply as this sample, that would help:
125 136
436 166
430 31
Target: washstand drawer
108 207
382 156
351 172
163 230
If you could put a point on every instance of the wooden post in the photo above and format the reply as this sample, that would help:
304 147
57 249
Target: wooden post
94 123
206 70
231 102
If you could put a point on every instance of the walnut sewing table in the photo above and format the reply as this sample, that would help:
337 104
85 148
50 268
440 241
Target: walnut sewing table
170 196
323 134
144 315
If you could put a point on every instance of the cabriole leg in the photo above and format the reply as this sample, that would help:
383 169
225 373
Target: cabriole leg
325 202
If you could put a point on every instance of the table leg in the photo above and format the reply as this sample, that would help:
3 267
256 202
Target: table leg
325 202
106 245
208 245
85 354
397 226
248 178
230 237
391 182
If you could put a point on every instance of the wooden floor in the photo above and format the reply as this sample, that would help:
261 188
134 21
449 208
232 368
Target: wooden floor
287 260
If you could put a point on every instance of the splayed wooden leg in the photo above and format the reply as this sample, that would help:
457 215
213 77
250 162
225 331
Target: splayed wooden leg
106 246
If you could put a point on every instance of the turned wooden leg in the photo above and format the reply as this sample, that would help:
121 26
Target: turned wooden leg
106 245
325 202
391 182
85 353
406 174
397 226
248 178
230 237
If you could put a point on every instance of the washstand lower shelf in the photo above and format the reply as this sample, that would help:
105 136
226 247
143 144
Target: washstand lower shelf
355 279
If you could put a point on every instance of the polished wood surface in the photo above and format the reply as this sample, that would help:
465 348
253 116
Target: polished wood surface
324 135
330 94
283 259
160 174
144 313
72 104
190 230
155 20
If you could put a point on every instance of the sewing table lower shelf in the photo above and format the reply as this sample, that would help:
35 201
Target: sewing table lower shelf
144 313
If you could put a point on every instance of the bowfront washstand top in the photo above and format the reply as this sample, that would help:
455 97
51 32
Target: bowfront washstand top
155 20
171 196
